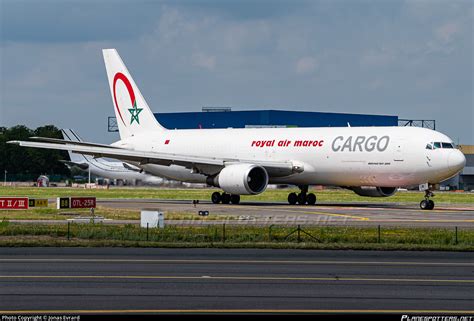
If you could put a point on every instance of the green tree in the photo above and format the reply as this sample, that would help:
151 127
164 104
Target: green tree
30 162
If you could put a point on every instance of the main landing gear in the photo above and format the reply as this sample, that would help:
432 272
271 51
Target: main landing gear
303 197
427 204
225 198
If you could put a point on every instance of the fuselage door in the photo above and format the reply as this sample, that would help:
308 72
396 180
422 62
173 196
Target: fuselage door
430 147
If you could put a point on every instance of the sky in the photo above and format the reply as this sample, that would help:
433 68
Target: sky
413 59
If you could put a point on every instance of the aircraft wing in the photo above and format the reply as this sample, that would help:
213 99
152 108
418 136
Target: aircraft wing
204 165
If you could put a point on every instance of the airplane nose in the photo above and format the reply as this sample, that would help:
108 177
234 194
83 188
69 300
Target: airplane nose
456 160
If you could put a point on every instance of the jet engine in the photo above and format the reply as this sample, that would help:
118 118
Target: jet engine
241 179
372 191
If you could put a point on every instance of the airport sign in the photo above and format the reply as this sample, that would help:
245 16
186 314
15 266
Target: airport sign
35 202
63 202
76 202
83 202
13 203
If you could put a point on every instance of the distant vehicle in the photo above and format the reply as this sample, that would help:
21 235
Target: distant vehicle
371 161
101 167
42 181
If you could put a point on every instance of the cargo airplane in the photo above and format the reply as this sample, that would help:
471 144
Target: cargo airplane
371 161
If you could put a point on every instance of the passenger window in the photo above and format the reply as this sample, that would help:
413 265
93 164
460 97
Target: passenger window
437 145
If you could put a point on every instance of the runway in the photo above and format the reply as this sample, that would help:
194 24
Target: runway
127 280
266 213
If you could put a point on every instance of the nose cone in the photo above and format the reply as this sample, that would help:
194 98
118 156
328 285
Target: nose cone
456 160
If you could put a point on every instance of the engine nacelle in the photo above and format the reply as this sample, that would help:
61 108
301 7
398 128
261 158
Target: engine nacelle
241 179
372 191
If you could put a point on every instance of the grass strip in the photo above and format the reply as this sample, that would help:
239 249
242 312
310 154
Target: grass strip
89 235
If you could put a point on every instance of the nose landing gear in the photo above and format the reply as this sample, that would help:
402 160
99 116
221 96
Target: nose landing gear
427 204
303 197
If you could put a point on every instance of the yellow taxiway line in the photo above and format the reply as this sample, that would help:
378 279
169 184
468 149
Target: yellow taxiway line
364 218
353 217
362 207
291 209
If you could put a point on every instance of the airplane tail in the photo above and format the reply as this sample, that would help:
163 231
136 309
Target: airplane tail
131 110
70 135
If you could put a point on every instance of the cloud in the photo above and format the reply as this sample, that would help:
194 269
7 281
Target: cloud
378 57
447 32
52 21
204 61
306 65
375 84
382 57
428 83
245 10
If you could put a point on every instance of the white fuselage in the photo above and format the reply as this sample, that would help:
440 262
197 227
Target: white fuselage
346 156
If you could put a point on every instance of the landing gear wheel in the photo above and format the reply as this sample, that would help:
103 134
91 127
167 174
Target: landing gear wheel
311 199
424 205
216 197
225 198
430 204
427 204
292 198
302 198
235 199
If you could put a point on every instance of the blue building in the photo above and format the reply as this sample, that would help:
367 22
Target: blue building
269 118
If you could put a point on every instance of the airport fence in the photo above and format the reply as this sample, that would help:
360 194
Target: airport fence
214 234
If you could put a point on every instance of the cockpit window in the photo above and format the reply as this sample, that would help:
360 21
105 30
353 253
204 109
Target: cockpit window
437 145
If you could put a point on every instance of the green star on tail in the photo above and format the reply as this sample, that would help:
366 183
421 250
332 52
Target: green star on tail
135 111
